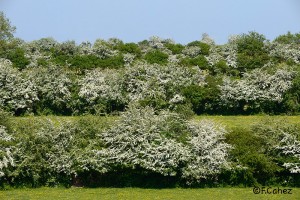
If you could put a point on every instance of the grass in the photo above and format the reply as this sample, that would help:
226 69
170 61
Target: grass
141 194
229 121
246 121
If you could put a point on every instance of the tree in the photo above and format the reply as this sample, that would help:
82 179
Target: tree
53 87
255 88
288 38
6 30
17 93
156 84
251 51
103 90
290 145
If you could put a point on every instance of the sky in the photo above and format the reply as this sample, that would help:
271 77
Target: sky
183 21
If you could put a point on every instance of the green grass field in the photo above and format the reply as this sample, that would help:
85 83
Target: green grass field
228 121
246 121
141 194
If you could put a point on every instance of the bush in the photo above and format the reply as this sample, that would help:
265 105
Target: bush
251 51
17 93
157 57
203 46
164 143
250 152
259 153
204 99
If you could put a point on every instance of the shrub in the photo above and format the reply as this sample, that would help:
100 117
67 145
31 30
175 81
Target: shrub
158 85
255 88
208 151
157 57
17 93
144 139
6 157
53 87
103 87
164 143
251 51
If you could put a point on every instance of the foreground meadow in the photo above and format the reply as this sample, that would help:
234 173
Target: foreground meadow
144 194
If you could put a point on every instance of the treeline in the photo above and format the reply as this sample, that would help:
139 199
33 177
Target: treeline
247 75
146 148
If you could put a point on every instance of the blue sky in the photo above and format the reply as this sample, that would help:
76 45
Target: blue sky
135 20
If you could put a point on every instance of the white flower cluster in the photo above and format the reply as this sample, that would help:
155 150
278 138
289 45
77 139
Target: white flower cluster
227 52
137 140
156 42
128 58
144 81
257 85
55 147
209 152
52 83
285 51
34 51
102 84
15 91
191 51
215 55
102 49
144 138
6 157
291 146
207 39
139 82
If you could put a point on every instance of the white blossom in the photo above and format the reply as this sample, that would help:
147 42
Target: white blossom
285 51
191 51
128 58
208 150
52 83
103 50
6 157
289 145
207 39
138 140
144 81
16 92
102 84
257 85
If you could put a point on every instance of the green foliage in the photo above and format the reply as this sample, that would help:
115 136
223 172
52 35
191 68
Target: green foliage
130 48
157 57
91 61
60 151
175 48
204 99
203 46
288 38
250 151
251 51
291 101
13 51
245 89
256 151
199 61
6 29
